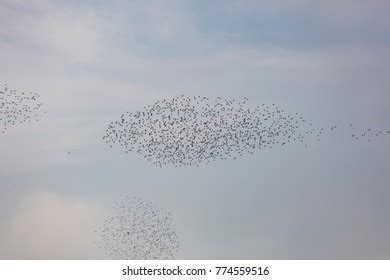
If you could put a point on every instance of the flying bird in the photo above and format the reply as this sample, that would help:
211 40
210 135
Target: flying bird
18 108
192 131
138 230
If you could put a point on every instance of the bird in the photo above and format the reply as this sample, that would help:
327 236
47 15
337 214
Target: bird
187 131
138 229
18 107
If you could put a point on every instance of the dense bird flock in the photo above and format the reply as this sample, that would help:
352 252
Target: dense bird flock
18 107
138 230
187 131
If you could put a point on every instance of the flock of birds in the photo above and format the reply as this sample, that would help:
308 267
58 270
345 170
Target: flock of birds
18 107
190 131
138 229
369 134
181 132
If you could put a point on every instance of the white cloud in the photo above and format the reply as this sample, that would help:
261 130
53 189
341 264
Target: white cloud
57 30
345 12
50 226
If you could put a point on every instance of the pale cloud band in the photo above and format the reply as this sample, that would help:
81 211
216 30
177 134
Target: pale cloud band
51 226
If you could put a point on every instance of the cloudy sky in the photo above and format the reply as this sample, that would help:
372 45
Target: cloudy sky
92 60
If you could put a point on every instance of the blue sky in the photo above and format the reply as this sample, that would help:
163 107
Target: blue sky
93 60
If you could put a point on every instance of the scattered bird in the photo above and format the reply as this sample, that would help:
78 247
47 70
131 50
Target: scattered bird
138 230
18 107
369 134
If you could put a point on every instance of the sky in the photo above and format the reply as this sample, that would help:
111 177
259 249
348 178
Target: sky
93 60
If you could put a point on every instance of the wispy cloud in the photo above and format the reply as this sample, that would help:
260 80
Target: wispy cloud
50 226
49 29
